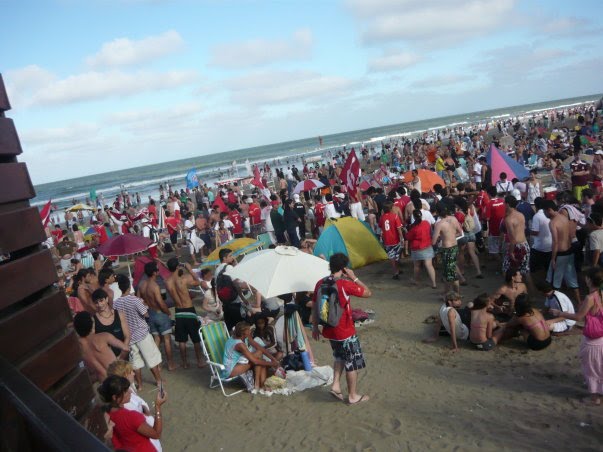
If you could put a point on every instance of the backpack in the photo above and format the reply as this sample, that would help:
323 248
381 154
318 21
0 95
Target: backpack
329 308
225 288
469 223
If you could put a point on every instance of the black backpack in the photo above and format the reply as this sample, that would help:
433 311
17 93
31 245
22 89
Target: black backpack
225 288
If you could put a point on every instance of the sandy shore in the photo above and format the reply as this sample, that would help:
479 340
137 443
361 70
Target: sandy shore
423 397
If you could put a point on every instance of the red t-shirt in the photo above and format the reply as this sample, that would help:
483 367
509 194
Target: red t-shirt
319 213
255 214
125 435
389 224
57 234
232 198
481 203
460 217
419 236
495 212
401 202
102 233
345 328
235 218
172 224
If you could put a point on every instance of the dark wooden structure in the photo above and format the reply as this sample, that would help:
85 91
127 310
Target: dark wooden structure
46 398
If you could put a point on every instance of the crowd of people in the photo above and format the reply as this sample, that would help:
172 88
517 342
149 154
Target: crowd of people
540 245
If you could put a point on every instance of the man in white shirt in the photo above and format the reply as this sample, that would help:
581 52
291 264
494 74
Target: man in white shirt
542 242
504 186
266 221
559 301
477 172
330 211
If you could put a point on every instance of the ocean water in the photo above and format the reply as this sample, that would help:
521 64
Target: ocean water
146 179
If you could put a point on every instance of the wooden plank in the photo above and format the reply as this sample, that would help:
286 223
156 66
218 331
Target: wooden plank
20 229
25 276
75 394
94 421
4 103
16 184
31 327
53 362
9 140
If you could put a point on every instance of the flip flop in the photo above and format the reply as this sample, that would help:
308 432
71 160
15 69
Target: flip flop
337 395
363 398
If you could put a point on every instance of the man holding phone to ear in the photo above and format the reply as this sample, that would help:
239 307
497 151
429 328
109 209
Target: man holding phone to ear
344 341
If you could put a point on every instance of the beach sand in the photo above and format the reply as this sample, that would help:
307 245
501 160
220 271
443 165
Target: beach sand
423 396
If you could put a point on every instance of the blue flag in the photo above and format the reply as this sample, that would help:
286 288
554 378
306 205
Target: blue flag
191 179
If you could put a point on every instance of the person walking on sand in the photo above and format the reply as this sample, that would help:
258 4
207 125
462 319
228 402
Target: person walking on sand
447 229
517 254
344 341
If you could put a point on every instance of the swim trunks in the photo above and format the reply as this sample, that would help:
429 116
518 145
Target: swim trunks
393 251
187 325
449 262
159 323
517 257
349 352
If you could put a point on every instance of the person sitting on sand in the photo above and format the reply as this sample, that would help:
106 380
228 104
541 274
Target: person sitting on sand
243 353
455 321
512 287
531 324
267 335
483 332
559 301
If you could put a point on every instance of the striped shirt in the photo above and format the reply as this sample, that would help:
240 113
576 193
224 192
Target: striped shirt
134 310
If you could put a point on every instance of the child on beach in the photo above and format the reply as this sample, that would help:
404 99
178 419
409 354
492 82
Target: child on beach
483 332
454 320
266 333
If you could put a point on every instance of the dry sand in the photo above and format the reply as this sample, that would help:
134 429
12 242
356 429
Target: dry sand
423 396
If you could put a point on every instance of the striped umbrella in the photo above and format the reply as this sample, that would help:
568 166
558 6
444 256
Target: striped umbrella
307 185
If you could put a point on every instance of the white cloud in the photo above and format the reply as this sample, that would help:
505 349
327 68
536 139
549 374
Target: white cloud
265 88
127 52
157 121
440 80
98 85
393 61
429 22
259 52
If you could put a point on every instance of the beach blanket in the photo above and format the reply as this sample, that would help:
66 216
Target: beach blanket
300 380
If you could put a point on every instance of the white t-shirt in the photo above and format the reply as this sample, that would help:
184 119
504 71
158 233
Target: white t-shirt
561 302
330 211
504 187
427 216
265 217
227 225
461 330
477 172
543 241
595 240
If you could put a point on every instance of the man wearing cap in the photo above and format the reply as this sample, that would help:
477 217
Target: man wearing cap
596 170
580 173
517 254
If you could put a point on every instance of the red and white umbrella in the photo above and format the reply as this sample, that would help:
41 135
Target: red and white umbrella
307 185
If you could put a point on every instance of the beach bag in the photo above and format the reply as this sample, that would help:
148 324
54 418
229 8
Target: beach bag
329 308
225 288
469 223
593 323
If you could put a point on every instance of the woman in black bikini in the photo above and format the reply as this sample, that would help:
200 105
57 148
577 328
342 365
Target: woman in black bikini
108 320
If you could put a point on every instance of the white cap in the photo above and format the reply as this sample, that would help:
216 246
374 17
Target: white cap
599 152
340 195
516 194
296 196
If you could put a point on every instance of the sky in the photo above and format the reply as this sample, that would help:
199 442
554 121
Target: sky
101 85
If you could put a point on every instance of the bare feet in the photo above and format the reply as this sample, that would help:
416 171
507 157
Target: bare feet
592 401
360 399
172 366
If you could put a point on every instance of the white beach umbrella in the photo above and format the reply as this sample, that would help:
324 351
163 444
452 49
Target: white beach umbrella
281 270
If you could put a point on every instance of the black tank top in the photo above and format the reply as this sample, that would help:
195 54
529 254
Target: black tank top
113 329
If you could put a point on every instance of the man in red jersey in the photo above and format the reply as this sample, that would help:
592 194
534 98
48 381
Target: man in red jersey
237 221
344 341
495 214
319 214
402 200
173 226
391 234
255 216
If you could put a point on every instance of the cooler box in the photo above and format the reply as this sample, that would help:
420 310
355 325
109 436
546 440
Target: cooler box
550 193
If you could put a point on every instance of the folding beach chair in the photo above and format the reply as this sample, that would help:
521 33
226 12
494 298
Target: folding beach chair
213 339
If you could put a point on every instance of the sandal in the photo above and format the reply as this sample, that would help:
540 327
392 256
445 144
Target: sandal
363 398
337 395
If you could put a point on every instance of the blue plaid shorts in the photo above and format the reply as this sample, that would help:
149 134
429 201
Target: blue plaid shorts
349 352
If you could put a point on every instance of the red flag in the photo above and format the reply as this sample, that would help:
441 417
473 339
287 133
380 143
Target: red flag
45 214
350 175
220 203
257 178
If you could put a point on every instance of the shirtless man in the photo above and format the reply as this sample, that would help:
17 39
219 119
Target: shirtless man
96 348
160 321
187 323
517 255
447 229
512 287
562 267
